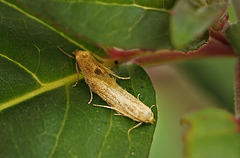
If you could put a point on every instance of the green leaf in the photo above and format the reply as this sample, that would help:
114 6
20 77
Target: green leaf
191 19
111 23
232 13
213 133
218 85
42 115
121 23
236 5
232 34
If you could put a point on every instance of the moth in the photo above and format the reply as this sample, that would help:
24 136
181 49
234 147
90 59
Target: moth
100 82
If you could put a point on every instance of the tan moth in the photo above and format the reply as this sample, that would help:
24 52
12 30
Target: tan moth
100 82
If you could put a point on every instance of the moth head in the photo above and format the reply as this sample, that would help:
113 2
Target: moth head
153 120
81 55
150 117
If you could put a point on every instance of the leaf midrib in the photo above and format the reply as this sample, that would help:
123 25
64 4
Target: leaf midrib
45 88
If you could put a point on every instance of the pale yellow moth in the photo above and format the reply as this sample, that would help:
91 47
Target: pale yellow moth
100 82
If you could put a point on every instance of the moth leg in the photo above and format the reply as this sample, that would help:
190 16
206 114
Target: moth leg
77 74
108 107
138 96
91 97
123 78
110 72
152 106
119 114
134 127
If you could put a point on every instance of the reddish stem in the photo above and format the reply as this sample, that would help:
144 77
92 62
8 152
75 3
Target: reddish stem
219 36
217 46
237 91
212 49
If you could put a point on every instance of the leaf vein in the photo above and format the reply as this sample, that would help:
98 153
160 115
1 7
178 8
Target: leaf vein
105 138
13 140
23 67
43 23
39 54
8 83
122 5
92 17
134 25
129 146
62 125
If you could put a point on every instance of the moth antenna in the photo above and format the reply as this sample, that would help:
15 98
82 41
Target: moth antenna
70 56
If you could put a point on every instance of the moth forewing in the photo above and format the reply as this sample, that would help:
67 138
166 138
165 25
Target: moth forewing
100 82
122 101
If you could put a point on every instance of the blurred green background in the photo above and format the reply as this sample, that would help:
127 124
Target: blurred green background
185 87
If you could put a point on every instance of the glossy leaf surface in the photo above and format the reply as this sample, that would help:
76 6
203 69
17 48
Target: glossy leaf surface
42 115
